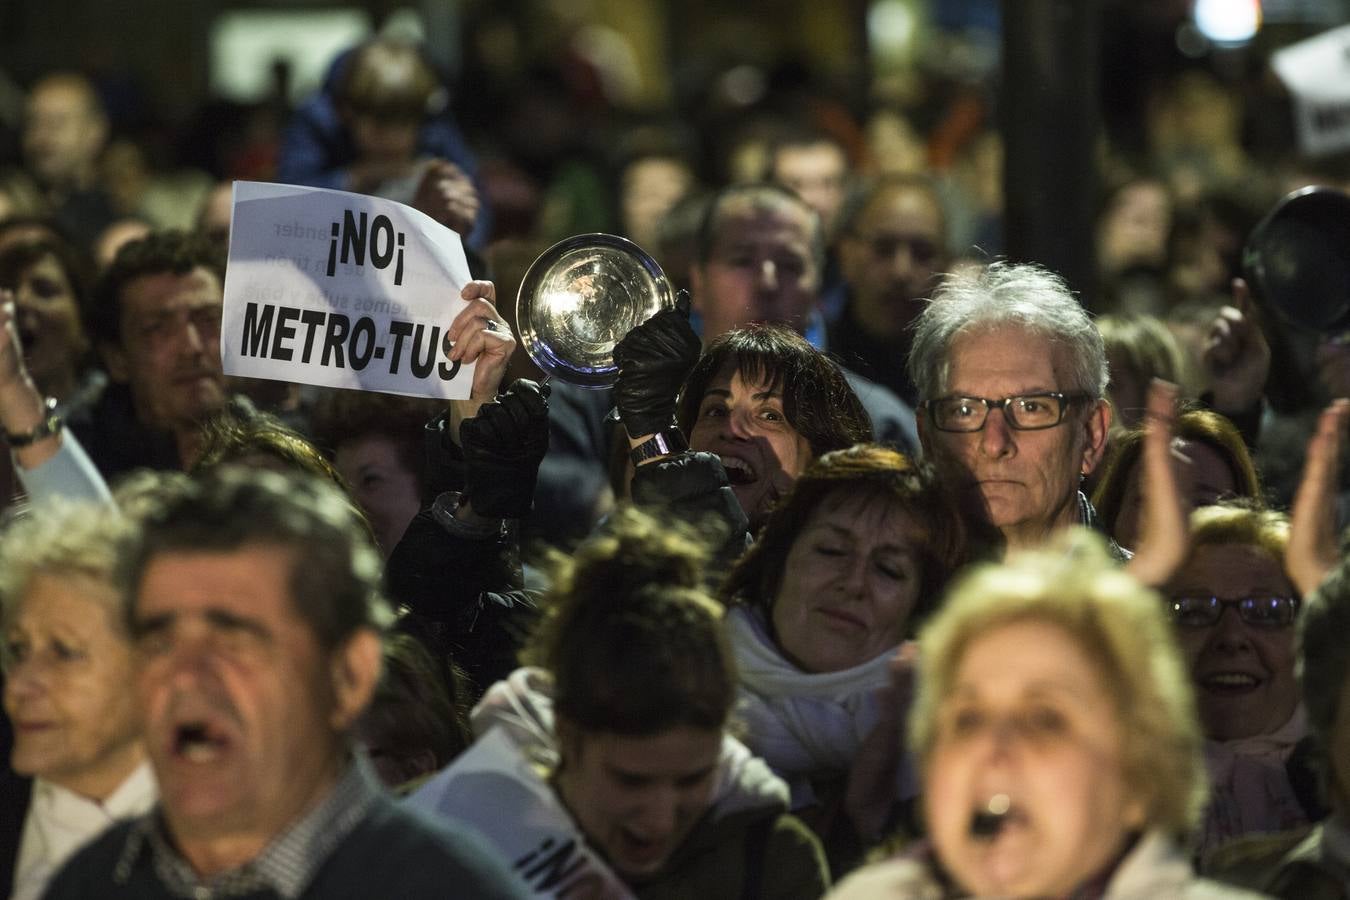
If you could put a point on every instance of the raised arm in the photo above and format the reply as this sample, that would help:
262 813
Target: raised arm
481 336
1312 548
1164 529
48 460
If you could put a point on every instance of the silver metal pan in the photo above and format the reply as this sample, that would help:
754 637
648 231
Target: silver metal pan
580 297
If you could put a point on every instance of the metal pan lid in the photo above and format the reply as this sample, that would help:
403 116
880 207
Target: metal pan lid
580 297
1297 259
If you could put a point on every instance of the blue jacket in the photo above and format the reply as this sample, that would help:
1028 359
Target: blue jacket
316 148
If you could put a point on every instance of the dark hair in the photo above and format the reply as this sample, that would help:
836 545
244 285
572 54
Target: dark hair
860 201
762 195
1201 426
817 398
19 258
340 416
162 252
49 228
15 260
335 572
415 716
873 473
633 643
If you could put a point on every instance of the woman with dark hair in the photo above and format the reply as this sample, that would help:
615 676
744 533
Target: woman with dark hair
847 565
49 285
757 405
44 278
377 442
605 769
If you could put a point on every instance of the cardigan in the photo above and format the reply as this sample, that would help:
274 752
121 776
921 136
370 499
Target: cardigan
391 852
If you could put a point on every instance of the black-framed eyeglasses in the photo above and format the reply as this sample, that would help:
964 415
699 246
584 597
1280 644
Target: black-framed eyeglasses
1262 611
1025 412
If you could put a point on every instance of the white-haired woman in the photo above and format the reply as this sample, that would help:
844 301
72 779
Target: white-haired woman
68 664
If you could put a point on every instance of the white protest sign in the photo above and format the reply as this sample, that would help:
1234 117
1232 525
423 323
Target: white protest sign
1317 74
341 290
493 788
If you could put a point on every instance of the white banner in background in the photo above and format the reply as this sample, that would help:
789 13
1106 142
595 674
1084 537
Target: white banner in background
341 290
1317 74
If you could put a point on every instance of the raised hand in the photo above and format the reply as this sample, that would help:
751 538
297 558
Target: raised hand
21 406
503 445
1237 356
870 791
480 335
1164 525
654 360
1312 547
447 194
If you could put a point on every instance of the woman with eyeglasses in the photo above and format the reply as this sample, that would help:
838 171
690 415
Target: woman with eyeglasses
1234 607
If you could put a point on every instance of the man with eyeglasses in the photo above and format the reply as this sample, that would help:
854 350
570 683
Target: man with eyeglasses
1011 375
892 251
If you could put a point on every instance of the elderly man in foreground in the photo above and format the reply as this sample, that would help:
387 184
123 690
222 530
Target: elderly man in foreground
254 605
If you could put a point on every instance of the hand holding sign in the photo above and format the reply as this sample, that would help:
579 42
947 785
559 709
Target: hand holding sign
480 335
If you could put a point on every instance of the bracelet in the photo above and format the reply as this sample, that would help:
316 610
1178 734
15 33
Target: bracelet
662 443
51 424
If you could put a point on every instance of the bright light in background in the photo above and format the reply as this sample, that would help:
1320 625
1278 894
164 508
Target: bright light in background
1228 21
891 27
245 43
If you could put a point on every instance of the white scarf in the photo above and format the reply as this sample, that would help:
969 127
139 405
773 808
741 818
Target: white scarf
803 724
60 821
1250 791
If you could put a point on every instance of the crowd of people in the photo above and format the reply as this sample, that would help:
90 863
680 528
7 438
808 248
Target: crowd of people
882 570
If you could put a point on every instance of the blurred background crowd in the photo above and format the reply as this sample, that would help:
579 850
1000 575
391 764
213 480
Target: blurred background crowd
1129 145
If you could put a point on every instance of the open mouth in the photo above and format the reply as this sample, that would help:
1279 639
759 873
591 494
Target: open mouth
641 850
199 742
739 472
1230 683
997 814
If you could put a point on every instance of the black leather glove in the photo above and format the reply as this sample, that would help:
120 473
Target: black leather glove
503 446
654 360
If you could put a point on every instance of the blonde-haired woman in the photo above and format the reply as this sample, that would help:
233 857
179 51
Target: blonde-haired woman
1056 731
1234 609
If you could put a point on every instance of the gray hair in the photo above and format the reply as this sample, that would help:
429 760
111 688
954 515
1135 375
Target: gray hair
1023 295
63 539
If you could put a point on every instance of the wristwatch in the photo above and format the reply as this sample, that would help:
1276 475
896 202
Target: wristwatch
663 443
51 424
